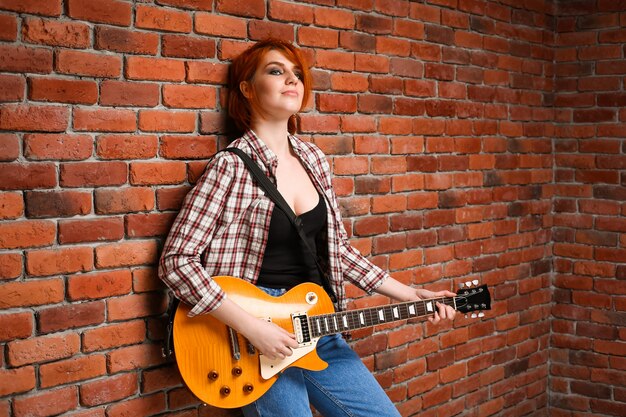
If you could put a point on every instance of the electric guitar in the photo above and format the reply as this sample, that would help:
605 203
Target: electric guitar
224 370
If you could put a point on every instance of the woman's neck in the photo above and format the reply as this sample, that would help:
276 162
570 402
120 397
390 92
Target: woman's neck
274 135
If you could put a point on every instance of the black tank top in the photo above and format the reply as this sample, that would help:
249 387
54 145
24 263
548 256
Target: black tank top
287 262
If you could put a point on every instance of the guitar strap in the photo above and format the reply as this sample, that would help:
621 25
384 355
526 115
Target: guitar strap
272 192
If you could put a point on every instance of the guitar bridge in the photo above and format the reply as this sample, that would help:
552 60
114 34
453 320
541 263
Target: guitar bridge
301 328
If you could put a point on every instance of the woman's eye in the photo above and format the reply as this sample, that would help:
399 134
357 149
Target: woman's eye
298 76
275 71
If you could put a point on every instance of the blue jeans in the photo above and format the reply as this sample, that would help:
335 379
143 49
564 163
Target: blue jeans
346 388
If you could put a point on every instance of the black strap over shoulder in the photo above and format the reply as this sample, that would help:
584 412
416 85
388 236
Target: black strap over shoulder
273 193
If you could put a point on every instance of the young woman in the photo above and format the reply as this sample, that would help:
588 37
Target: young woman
227 226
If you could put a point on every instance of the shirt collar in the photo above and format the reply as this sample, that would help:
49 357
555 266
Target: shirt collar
265 154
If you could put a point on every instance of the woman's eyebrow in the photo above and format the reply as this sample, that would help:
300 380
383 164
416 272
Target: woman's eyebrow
295 67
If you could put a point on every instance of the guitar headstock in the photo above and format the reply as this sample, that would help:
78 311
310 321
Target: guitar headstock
472 298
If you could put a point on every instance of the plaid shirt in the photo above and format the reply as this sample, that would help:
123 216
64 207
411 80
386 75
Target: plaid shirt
224 221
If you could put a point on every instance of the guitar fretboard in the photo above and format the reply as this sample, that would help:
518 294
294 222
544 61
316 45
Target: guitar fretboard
325 324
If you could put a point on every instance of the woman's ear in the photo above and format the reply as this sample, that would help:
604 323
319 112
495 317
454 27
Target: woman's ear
244 87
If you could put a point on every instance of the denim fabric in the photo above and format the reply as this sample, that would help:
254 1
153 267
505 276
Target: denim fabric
345 389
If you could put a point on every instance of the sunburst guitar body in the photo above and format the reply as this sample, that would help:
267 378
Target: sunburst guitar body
224 370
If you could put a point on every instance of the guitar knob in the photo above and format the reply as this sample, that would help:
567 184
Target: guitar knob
213 375
225 390
237 371
248 388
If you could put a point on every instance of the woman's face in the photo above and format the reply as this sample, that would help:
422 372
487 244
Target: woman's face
278 87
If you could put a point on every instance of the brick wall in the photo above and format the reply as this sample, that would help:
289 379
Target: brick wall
469 138
588 358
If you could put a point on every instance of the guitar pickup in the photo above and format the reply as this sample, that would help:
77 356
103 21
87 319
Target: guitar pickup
301 328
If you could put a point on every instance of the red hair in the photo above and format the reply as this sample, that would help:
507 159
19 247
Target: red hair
244 67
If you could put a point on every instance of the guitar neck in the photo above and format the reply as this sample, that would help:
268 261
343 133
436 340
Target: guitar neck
325 324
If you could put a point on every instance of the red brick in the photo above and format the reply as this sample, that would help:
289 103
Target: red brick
358 124
148 225
12 88
13 381
188 147
333 60
190 4
126 146
245 8
155 69
57 203
55 33
10 265
99 285
206 72
291 13
11 205
333 17
211 123
25 59
34 118
126 254
349 82
136 305
72 370
15 326
63 91
113 388
92 230
49 8
42 349
146 279
217 25
8 27
9 147
57 146
317 37
105 120
55 319
134 357
111 201
126 41
397 47
27 233
167 121
88 64
230 49
260 29
189 96
179 46
171 198
336 103
81 174
159 18
150 173
114 335
47 403
157 379
106 11
120 93
59 261
150 405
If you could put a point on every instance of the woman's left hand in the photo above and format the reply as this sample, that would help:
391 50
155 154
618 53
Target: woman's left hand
443 312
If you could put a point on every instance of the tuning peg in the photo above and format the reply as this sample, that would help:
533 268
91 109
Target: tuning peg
475 282
468 284
461 285
481 314
474 315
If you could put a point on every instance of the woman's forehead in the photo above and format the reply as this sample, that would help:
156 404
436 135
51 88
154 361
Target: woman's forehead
277 57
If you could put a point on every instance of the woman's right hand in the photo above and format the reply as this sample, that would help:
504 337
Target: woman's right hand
271 340
268 338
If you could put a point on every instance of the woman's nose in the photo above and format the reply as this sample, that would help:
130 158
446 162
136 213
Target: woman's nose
291 78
